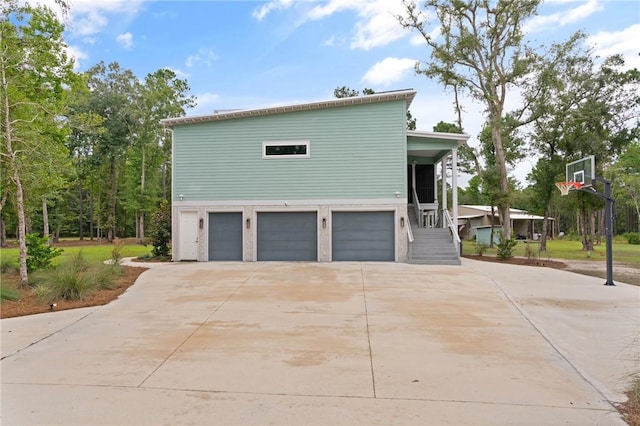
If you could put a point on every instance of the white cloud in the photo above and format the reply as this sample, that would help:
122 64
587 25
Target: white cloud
203 55
87 24
330 41
260 12
389 70
205 103
88 17
546 22
125 40
376 25
78 55
623 42
418 39
179 73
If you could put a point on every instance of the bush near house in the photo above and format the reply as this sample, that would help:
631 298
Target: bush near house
39 252
632 237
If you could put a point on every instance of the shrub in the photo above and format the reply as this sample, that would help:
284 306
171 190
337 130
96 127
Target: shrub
481 249
39 253
632 237
42 292
529 251
8 264
70 280
8 293
161 230
104 277
78 262
505 248
116 253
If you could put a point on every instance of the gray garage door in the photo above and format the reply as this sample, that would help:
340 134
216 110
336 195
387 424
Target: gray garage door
225 236
288 236
363 236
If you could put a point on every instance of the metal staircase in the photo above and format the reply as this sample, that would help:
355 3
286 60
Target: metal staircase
432 246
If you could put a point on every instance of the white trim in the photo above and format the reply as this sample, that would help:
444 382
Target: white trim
460 137
266 144
288 204
406 95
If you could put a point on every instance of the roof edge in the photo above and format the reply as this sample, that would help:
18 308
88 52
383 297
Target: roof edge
406 95
460 137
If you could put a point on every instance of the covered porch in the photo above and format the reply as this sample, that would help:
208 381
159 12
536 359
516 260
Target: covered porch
429 155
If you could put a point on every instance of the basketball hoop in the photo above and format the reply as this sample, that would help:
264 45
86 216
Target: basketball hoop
565 187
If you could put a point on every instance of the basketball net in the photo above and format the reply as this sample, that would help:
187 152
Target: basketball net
565 187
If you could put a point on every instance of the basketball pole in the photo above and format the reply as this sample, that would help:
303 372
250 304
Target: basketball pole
608 223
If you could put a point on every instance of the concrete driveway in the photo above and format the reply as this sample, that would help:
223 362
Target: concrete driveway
341 343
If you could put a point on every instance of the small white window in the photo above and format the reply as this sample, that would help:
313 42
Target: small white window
288 149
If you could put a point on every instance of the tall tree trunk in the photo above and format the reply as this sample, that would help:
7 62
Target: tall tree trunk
81 212
13 166
91 216
3 232
140 214
22 227
587 221
45 220
592 228
503 181
582 223
111 220
545 228
142 236
600 226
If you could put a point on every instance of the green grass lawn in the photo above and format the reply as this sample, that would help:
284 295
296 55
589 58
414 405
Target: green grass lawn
97 253
570 250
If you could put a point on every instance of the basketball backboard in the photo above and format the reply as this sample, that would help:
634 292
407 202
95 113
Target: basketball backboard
583 171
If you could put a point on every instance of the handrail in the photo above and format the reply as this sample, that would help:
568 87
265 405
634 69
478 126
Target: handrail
450 225
409 231
416 206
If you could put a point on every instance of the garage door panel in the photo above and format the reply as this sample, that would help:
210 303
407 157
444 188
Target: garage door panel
225 236
287 236
363 236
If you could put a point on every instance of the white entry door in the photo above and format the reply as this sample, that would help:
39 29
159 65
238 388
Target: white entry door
188 236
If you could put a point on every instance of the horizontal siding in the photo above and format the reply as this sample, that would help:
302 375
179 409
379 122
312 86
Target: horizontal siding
356 152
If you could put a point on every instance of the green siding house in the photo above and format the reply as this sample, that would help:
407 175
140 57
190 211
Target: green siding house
325 181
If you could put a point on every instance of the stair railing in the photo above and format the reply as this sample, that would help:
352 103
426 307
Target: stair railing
452 228
417 208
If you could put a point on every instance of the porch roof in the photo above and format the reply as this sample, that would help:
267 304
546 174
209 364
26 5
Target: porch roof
433 145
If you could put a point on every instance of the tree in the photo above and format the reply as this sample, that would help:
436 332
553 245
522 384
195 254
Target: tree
626 175
482 53
35 74
162 95
580 108
346 92
114 91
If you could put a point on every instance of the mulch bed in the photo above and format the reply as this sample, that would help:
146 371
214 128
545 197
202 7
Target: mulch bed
30 304
523 261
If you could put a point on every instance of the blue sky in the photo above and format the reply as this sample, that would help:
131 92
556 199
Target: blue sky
246 54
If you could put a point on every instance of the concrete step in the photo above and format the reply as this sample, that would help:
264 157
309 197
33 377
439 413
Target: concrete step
435 262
